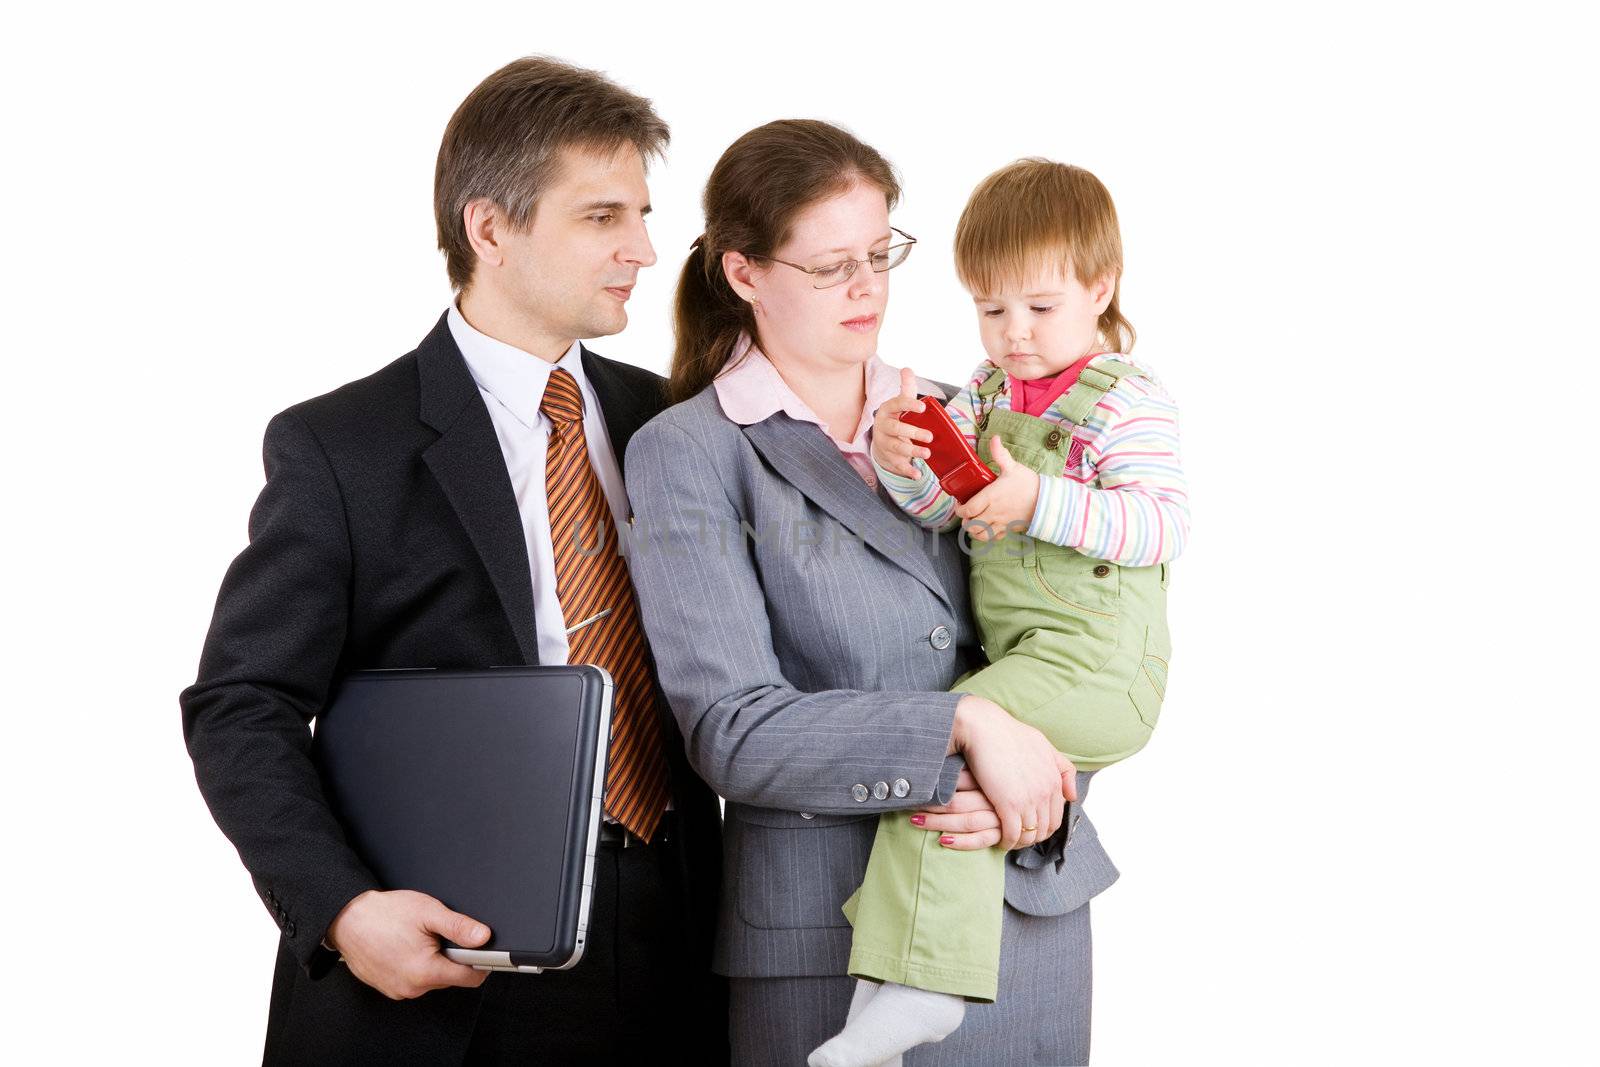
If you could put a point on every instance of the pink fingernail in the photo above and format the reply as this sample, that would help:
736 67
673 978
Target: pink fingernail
918 820
946 839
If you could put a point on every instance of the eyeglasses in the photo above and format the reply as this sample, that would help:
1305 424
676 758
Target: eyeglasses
835 273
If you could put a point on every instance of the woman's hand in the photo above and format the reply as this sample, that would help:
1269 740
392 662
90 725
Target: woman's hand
894 443
969 823
1015 765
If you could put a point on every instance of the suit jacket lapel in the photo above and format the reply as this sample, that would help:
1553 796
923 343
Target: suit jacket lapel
467 461
812 464
621 404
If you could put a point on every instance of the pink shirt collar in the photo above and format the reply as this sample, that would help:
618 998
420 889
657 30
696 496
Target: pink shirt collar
754 390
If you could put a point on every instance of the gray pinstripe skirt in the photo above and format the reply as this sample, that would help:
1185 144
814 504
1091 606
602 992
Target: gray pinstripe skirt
1040 1017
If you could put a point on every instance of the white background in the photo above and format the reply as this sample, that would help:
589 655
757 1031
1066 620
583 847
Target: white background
1359 242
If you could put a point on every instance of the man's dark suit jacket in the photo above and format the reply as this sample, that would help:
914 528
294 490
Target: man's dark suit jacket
387 535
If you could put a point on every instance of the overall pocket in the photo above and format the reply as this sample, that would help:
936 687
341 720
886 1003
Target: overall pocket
1083 583
1150 681
1086 597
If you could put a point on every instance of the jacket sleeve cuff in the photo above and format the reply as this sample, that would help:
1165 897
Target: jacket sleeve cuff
946 789
307 931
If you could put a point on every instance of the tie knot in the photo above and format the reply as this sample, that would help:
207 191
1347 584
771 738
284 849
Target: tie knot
562 401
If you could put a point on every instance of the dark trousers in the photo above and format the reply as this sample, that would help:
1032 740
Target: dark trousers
637 992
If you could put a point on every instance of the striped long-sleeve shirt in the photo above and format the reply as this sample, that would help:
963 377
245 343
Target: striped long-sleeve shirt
1125 501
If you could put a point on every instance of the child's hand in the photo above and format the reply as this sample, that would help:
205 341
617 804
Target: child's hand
1010 498
893 441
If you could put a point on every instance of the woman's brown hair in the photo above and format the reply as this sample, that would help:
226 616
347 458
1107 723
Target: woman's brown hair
758 188
1037 214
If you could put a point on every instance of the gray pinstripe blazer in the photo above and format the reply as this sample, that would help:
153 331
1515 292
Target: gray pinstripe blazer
805 632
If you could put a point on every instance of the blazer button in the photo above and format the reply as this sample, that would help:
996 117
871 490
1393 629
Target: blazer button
940 638
859 792
901 787
288 928
1052 439
1101 571
807 815
881 790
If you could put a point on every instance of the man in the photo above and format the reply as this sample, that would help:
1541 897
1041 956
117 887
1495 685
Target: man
443 512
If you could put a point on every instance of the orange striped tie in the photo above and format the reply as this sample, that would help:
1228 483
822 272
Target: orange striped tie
592 576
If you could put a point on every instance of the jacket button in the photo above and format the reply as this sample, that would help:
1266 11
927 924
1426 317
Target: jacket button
807 815
1101 571
901 787
940 638
1052 439
881 790
288 928
859 792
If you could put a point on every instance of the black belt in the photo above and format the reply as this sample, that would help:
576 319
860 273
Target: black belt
615 835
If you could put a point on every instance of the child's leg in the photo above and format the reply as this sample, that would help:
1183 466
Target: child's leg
926 915
930 917
927 925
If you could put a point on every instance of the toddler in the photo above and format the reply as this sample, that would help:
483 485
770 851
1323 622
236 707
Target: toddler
1070 546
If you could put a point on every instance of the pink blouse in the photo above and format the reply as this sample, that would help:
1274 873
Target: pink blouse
754 390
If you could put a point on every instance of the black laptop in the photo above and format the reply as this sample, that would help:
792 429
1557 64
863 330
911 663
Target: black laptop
481 788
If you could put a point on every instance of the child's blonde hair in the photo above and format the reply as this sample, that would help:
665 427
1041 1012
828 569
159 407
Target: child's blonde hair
1036 214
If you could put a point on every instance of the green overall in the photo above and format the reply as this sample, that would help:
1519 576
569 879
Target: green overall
1078 649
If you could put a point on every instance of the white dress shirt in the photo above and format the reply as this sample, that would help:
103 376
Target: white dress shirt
512 384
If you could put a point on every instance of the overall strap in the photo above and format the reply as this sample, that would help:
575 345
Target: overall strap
986 391
991 385
1094 382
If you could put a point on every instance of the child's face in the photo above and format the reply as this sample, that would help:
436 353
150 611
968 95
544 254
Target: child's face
1043 323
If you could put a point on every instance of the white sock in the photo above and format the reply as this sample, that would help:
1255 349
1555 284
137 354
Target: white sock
895 1019
858 1000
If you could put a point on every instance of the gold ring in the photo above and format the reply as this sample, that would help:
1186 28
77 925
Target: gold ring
1030 829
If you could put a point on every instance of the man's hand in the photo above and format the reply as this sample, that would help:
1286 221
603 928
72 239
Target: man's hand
1009 499
895 442
391 942
969 822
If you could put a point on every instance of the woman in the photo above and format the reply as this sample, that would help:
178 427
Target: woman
805 631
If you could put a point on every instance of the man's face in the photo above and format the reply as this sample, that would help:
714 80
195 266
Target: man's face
573 269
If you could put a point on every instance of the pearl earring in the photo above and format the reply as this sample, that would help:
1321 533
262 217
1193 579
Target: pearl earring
755 305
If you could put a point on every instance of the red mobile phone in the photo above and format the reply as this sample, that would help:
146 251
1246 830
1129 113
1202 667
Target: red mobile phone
961 473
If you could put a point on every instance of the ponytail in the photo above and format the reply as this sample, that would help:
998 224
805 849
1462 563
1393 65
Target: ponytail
707 317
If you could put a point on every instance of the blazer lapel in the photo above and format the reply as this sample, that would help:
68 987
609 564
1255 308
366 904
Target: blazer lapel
467 461
812 464
621 404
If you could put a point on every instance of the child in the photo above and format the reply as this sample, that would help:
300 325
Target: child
1069 576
